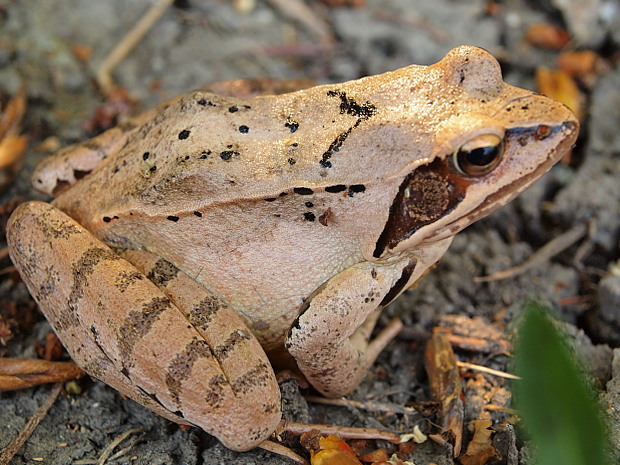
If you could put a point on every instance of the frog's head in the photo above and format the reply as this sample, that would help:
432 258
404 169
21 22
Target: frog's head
492 141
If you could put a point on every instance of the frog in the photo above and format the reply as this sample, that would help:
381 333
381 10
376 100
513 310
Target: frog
195 248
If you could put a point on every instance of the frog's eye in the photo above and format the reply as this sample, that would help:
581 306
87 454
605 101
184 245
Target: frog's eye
478 156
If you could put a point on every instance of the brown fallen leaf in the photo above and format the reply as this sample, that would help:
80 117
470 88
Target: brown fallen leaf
579 64
52 350
82 52
12 144
445 384
547 36
18 373
116 108
6 330
479 449
379 455
560 86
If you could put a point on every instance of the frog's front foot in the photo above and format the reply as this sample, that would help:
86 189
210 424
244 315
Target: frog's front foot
330 339
167 343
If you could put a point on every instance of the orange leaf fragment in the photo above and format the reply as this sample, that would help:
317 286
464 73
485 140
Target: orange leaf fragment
328 450
82 52
547 36
333 457
480 449
560 86
12 145
379 455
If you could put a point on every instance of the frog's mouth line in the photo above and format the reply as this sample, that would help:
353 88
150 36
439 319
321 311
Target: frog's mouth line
512 190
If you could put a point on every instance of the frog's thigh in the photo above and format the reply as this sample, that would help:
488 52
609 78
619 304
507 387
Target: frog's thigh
64 168
122 328
330 338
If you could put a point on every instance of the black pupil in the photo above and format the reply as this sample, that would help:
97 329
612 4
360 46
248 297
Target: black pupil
482 156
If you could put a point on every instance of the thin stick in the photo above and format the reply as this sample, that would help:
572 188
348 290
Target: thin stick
284 451
491 371
501 408
543 254
112 445
344 432
368 406
127 44
299 11
6 454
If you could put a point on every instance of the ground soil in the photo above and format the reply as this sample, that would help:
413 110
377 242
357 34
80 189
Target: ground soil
55 47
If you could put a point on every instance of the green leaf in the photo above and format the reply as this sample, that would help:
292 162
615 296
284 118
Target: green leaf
557 406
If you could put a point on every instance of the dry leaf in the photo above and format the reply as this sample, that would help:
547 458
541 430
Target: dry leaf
379 455
480 449
445 383
116 108
18 373
560 86
547 36
584 65
82 52
328 450
52 350
417 436
333 457
394 460
12 145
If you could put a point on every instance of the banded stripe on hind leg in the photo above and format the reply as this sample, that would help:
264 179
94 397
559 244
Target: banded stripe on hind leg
179 352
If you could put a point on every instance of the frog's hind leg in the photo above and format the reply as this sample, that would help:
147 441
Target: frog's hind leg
181 353
59 171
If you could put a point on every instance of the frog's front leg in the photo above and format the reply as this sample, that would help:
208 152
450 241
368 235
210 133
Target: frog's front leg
176 348
330 339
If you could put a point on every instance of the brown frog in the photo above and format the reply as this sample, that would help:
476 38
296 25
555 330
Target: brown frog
187 244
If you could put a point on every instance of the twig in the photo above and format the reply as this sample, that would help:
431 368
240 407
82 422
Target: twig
501 408
127 44
112 445
284 451
491 371
6 454
368 406
344 432
8 269
299 11
543 254
106 456
469 343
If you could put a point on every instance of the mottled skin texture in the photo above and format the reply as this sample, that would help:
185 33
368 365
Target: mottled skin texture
283 222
